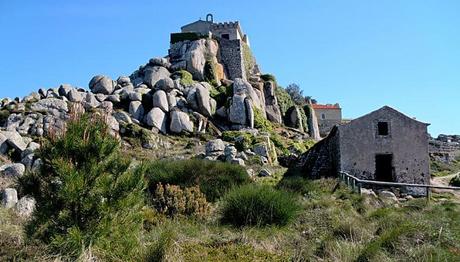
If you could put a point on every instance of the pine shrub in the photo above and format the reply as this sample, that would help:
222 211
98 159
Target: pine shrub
87 194
258 205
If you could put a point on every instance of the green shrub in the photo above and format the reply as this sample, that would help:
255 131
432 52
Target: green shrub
4 114
301 146
220 94
284 100
86 193
455 181
242 140
172 201
258 205
295 184
186 79
260 122
214 178
210 74
137 134
268 77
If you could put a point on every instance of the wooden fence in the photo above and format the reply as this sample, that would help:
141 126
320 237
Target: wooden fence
356 184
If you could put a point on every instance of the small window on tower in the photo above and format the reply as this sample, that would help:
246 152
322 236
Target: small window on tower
225 36
382 128
323 116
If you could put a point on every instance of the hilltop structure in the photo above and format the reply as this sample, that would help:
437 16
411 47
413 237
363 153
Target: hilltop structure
226 41
384 145
225 30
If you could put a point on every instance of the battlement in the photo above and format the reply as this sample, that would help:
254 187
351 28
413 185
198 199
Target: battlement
226 25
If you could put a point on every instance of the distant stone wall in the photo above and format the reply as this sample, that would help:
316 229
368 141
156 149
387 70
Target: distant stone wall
445 152
231 56
327 119
436 146
325 126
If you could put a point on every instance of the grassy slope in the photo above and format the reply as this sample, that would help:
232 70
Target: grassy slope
331 227
337 226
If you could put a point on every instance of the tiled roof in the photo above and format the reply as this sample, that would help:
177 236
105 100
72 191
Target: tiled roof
318 106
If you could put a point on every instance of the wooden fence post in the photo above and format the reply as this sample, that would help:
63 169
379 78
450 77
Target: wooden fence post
428 194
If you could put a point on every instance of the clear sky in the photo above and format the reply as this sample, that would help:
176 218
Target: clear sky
362 54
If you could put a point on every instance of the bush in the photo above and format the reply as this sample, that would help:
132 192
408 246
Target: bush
172 201
295 93
295 184
186 79
268 77
242 140
210 73
455 181
213 178
220 94
86 193
258 205
284 100
260 122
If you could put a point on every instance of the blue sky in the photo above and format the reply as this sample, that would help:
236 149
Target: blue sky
362 54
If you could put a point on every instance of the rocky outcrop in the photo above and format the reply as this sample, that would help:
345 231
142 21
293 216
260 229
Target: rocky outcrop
193 57
294 119
153 74
180 122
156 118
101 84
312 121
271 103
9 197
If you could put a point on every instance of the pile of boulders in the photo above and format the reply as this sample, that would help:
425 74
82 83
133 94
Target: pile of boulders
15 145
24 207
219 150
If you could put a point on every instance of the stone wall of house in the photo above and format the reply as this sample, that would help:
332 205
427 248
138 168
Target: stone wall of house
231 56
407 141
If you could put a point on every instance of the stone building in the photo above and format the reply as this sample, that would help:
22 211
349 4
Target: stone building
328 116
225 30
234 51
384 145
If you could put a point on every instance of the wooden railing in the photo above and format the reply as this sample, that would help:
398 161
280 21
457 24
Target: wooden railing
356 184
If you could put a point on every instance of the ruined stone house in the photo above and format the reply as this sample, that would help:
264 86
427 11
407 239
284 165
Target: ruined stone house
384 145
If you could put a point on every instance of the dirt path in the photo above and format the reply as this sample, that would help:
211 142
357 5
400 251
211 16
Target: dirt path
444 181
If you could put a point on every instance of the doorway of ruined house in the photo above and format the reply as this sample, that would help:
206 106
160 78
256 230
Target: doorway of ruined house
384 167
